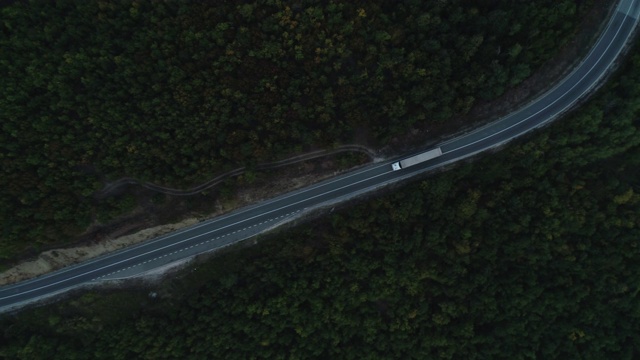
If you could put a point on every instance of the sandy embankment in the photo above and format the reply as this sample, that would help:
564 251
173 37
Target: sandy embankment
59 258
56 259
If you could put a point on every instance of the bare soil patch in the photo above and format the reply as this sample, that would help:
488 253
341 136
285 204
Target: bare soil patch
174 212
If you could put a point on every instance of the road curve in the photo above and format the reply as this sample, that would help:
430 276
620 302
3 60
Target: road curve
250 221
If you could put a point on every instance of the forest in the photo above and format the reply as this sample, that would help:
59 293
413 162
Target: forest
178 92
528 253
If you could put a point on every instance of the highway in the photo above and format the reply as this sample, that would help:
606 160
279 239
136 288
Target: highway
250 221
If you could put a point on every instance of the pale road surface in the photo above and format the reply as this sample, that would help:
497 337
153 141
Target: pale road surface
250 221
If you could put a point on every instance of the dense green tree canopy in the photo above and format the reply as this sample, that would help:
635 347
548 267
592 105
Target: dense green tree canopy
174 92
530 253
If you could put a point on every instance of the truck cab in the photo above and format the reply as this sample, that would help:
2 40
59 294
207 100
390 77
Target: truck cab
396 166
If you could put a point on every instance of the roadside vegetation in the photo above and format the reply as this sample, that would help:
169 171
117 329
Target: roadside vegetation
531 252
176 93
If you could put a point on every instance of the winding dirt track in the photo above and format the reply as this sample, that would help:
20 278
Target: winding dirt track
113 186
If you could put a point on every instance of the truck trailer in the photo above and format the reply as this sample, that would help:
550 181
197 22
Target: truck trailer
416 159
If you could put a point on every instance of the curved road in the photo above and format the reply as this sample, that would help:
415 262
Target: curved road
250 221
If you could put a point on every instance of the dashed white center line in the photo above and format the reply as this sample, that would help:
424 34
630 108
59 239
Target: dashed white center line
194 245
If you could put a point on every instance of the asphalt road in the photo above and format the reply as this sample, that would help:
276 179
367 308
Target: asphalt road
247 222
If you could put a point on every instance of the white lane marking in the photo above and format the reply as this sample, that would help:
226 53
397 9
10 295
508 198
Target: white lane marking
562 82
154 250
159 257
285 196
555 101
271 201
223 217
631 11
198 244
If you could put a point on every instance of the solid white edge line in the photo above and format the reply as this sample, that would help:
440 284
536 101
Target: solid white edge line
556 100
313 186
545 94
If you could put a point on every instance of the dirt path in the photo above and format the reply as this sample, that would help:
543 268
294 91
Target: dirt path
111 240
114 186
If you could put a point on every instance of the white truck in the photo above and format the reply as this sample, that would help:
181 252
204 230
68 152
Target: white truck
416 159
